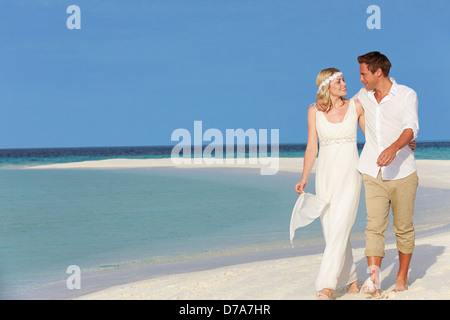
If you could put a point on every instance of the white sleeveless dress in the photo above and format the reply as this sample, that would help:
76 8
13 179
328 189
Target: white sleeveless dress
339 183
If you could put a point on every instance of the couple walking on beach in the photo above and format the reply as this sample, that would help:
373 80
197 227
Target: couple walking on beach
388 116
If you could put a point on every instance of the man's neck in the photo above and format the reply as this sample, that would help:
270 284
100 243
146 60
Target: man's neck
382 90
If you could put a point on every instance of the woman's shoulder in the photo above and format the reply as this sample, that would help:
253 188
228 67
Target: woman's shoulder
312 108
356 101
358 106
317 107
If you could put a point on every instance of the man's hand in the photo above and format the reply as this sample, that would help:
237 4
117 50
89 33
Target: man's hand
387 156
320 106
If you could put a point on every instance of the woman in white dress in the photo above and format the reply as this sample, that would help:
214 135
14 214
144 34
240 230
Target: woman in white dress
338 181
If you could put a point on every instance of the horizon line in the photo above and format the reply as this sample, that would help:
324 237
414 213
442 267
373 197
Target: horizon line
203 145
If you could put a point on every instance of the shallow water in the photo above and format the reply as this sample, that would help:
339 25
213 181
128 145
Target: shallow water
104 220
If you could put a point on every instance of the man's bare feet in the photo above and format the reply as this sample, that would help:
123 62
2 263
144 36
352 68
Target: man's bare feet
369 288
400 285
402 275
372 284
326 294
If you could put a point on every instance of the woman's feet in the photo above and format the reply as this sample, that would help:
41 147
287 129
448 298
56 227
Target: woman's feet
353 288
325 294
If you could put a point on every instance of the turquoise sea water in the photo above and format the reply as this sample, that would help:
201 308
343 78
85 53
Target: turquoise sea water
18 158
102 220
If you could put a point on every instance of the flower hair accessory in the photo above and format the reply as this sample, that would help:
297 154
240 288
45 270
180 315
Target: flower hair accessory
329 79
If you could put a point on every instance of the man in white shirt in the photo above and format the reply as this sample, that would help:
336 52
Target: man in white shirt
387 164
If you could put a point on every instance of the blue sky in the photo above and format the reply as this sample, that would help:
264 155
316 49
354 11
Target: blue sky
137 70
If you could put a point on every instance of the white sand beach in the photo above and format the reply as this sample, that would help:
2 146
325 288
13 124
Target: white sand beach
293 278
432 173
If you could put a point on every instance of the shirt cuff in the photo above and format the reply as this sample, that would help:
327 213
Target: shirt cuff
414 127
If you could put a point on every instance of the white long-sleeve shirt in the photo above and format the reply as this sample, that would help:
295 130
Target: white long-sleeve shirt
385 121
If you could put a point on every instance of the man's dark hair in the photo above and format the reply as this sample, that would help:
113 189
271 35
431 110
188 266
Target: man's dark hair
375 60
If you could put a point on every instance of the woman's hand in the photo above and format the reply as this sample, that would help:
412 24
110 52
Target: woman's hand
300 186
412 145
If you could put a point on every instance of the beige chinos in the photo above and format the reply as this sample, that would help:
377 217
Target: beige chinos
380 196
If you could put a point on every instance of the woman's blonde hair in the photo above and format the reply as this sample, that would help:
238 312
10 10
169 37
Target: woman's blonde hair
323 95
